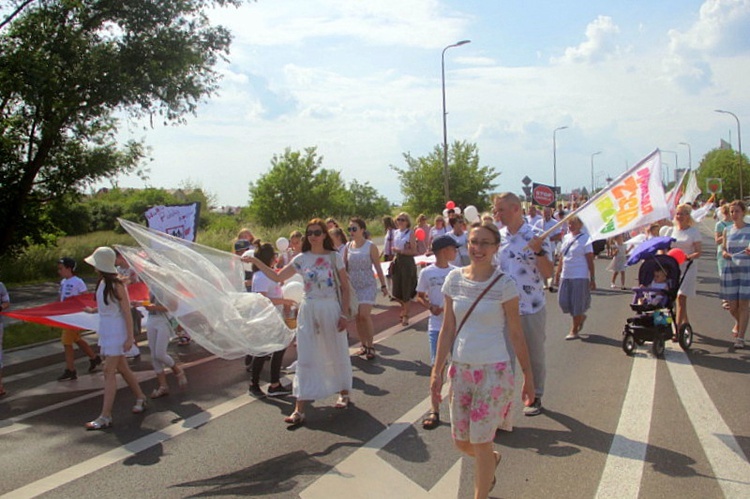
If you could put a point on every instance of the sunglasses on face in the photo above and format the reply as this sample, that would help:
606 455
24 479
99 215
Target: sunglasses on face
352 229
314 232
401 220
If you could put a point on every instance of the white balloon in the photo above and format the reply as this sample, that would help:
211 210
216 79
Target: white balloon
293 291
248 266
295 278
282 244
445 213
471 214
457 210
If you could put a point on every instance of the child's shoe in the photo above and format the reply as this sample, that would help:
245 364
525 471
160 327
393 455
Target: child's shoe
68 375
94 363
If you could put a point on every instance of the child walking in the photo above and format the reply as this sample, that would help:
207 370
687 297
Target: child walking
430 294
115 334
158 331
72 285
619 261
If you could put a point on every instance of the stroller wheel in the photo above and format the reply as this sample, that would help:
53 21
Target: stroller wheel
685 336
628 344
658 347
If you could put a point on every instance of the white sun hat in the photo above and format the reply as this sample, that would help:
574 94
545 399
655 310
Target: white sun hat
103 260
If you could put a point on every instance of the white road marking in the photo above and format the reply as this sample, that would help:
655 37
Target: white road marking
624 467
730 464
84 468
363 470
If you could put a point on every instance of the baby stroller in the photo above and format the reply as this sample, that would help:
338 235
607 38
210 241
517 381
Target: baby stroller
655 307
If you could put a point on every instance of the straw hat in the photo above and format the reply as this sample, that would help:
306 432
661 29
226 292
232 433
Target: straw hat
103 260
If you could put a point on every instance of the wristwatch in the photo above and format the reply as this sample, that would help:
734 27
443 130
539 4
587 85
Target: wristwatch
541 252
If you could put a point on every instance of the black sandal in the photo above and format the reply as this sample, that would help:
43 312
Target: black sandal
369 353
432 421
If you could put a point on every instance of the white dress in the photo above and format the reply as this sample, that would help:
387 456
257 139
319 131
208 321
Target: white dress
112 328
323 364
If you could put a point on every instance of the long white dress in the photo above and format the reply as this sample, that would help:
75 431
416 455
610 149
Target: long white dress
323 364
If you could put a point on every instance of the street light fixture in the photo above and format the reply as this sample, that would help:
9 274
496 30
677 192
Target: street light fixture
592 171
739 144
445 122
554 156
690 155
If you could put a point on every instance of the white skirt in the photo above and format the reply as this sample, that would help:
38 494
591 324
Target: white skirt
323 364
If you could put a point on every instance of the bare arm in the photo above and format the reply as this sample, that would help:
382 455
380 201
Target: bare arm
697 248
590 263
375 258
445 342
280 276
124 302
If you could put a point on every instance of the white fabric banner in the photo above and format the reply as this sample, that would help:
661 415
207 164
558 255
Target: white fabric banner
692 191
180 220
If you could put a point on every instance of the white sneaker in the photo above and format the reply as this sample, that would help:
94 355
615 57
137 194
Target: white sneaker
739 344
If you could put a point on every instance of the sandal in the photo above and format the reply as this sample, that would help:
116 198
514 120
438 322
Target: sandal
342 402
404 320
369 353
99 423
362 351
140 406
296 418
160 392
498 458
181 379
432 421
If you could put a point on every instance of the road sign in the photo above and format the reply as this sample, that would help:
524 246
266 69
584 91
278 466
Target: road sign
543 195
526 180
714 185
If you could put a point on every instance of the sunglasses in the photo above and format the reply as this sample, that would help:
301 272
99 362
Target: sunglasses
401 220
315 232
352 228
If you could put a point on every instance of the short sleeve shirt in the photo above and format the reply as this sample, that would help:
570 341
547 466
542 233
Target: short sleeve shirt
317 273
519 262
430 282
573 252
481 339
71 286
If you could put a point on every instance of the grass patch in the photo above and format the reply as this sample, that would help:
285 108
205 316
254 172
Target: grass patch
28 333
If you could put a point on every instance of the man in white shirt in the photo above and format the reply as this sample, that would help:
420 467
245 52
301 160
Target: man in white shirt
527 258
533 217
543 225
459 235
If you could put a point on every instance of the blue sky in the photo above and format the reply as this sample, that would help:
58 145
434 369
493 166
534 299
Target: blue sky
361 81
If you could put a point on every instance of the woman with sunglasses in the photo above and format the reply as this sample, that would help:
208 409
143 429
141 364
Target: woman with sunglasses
360 257
404 273
323 364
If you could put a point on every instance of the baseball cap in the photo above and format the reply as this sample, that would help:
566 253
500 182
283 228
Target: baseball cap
242 245
444 241
67 262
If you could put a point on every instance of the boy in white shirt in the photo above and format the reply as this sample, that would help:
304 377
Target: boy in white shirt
72 285
429 294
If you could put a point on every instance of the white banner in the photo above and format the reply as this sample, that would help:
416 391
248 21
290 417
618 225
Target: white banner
179 220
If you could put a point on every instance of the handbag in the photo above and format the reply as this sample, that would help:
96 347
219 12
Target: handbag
353 302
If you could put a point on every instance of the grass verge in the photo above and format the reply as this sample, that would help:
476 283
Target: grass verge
28 333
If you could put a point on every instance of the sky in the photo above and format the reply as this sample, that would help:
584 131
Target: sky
361 81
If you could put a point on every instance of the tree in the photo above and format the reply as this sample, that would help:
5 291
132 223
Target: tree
724 164
66 68
422 179
365 201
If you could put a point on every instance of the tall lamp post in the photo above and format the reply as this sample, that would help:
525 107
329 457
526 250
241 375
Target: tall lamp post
676 165
445 120
739 145
690 155
554 156
592 171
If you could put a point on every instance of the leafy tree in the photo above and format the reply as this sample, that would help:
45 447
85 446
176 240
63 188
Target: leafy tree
66 68
469 183
724 164
297 188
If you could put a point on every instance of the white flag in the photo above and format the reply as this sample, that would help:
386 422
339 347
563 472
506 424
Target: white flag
692 191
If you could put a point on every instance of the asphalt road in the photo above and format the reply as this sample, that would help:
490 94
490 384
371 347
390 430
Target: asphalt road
613 425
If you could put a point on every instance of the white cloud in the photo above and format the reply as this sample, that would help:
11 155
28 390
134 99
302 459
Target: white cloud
600 44
720 31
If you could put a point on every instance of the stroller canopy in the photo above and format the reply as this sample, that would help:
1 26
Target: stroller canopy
649 248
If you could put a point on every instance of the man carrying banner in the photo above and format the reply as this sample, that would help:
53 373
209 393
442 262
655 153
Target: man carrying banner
555 236
527 258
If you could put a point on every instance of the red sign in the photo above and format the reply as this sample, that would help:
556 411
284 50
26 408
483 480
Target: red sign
543 195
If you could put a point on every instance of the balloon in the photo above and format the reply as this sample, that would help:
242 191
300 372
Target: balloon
419 233
445 213
450 205
471 214
457 210
678 255
293 291
295 278
248 266
282 244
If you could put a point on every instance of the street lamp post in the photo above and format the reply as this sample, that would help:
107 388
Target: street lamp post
554 156
592 171
690 155
676 165
739 145
445 120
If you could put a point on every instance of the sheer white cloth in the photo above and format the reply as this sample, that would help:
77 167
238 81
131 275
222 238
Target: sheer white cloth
206 288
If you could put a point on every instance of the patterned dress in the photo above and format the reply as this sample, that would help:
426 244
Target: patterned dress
323 364
359 266
735 281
